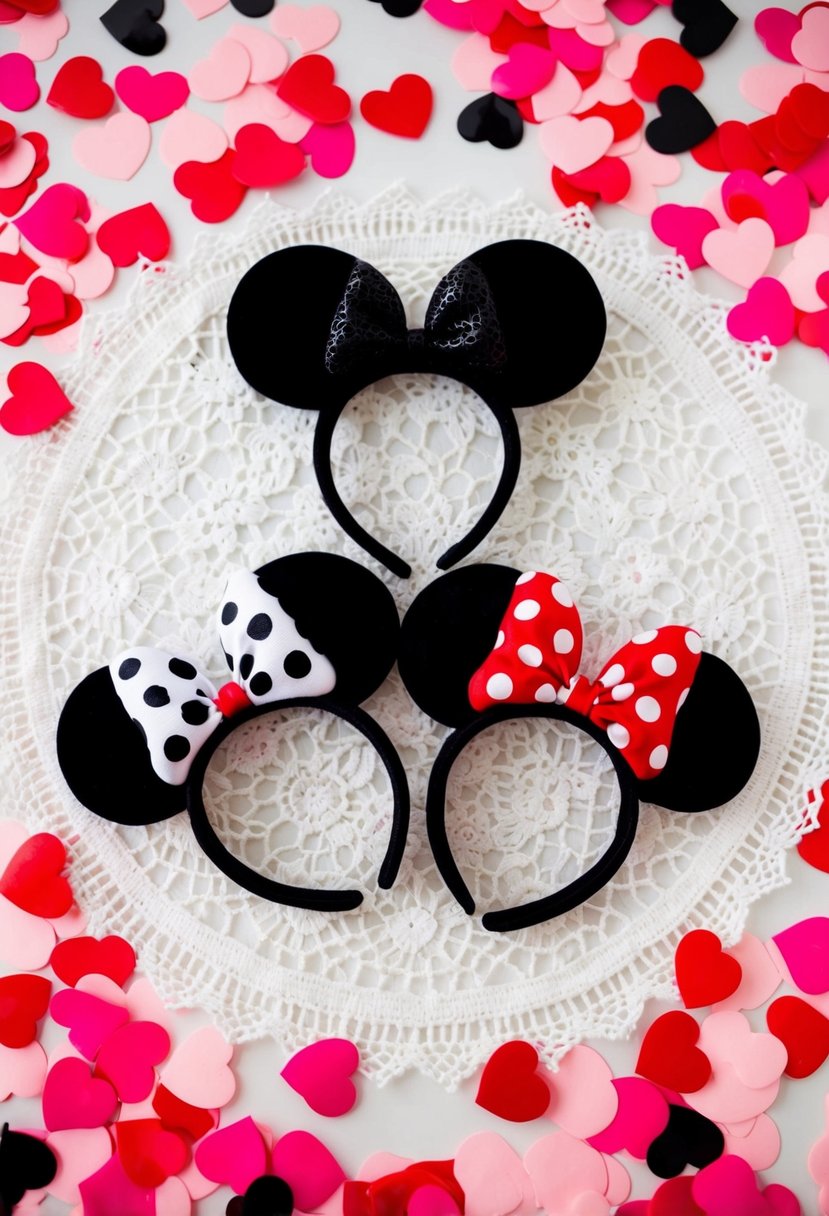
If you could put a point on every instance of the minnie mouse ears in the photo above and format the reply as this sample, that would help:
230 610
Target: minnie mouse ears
521 322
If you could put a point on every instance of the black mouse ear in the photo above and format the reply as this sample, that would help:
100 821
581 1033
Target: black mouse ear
551 315
715 744
280 319
105 760
448 632
345 612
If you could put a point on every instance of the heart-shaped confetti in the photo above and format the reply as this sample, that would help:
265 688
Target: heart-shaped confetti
492 1176
810 45
22 1071
510 1085
688 1139
574 143
79 89
189 136
760 976
233 1155
36 403
684 228
214 193
181 1116
311 1171
19 89
268 56
223 74
527 70
783 204
116 150
805 950
90 1020
80 1152
24 1000
493 120
803 1031
683 121
136 25
111 956
584 1101
198 1073
669 1055
331 148
152 96
73 1098
641 1115
313 28
149 1153
321 1074
308 86
767 312
776 27
16 163
705 974
662 63
563 1168
263 159
139 232
33 878
129 1057
404 110
40 34
741 256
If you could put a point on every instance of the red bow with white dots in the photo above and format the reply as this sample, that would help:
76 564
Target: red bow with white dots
638 692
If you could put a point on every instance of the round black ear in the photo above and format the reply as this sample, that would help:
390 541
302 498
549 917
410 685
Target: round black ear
279 321
345 612
715 744
105 761
448 632
551 314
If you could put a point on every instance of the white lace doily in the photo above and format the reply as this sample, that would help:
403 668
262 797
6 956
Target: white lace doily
676 484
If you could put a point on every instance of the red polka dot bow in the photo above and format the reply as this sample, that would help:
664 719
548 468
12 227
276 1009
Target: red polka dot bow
636 696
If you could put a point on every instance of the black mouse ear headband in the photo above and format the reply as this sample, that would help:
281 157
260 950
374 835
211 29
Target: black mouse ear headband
485 644
520 322
312 630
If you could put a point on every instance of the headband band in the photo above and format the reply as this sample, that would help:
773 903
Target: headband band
519 322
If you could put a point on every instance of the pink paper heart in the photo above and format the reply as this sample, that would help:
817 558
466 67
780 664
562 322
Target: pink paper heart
618 1181
14 310
684 228
321 1074
574 52
115 149
268 57
575 143
22 1071
233 1155
775 27
52 223
311 1171
642 1115
331 148
19 89
562 1168
129 1057
80 1152
766 84
73 1098
647 170
188 135
153 97
805 950
810 45
313 28
473 63
729 1185
257 104
740 256
746 1069
90 1020
40 35
93 274
492 1177
197 1071
810 259
760 978
561 96
584 1101
784 203
431 1201
528 69
631 12
17 163
204 8
760 1147
379 1164
608 89
223 74
622 60
768 313
172 1199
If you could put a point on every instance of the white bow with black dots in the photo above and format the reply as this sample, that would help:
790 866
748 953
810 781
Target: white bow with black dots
177 708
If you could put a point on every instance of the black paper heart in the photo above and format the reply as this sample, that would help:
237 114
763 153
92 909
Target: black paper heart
253 8
266 1196
26 1164
707 25
689 1139
134 23
685 122
399 8
494 119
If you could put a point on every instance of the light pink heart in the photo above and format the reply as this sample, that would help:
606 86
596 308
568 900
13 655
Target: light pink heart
618 1181
473 63
562 1168
204 8
74 922
740 256
528 69
492 1177
198 1073
16 163
378 1165
90 1020
760 978
810 45
14 312
648 169
233 1156
321 1074
172 1199
152 96
622 60
331 148
22 1071
93 274
80 1152
115 149
608 89
760 1147
268 56
584 1101
223 74
575 143
73 1098
198 1187
743 1082
313 28
188 135
129 1057
257 104
561 96
40 35
766 84
19 89
311 1171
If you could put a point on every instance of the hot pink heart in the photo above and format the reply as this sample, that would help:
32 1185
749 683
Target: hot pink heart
685 228
431 1201
768 313
775 27
805 950
569 47
129 1057
783 204
321 1074
814 174
234 1155
153 97
19 89
52 222
22 1071
311 1171
528 69
90 1020
331 148
73 1098
641 1117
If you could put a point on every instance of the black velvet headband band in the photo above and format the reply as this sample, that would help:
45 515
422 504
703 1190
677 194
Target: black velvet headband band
520 322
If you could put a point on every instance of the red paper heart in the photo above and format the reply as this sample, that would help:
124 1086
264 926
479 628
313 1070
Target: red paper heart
810 108
663 62
178 1115
608 179
740 149
263 159
509 31
814 848
139 232
79 89
308 86
803 1031
709 154
669 1057
24 1000
510 1087
33 878
214 192
111 956
704 973
7 136
13 198
404 110
49 311
626 119
149 1153
674 1198
16 267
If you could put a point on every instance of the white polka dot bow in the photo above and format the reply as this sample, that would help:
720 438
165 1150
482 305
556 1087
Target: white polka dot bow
177 708
638 692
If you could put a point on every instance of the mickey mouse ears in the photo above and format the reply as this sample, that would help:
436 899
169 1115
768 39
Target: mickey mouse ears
521 322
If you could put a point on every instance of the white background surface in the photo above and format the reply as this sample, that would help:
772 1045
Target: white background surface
413 1117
